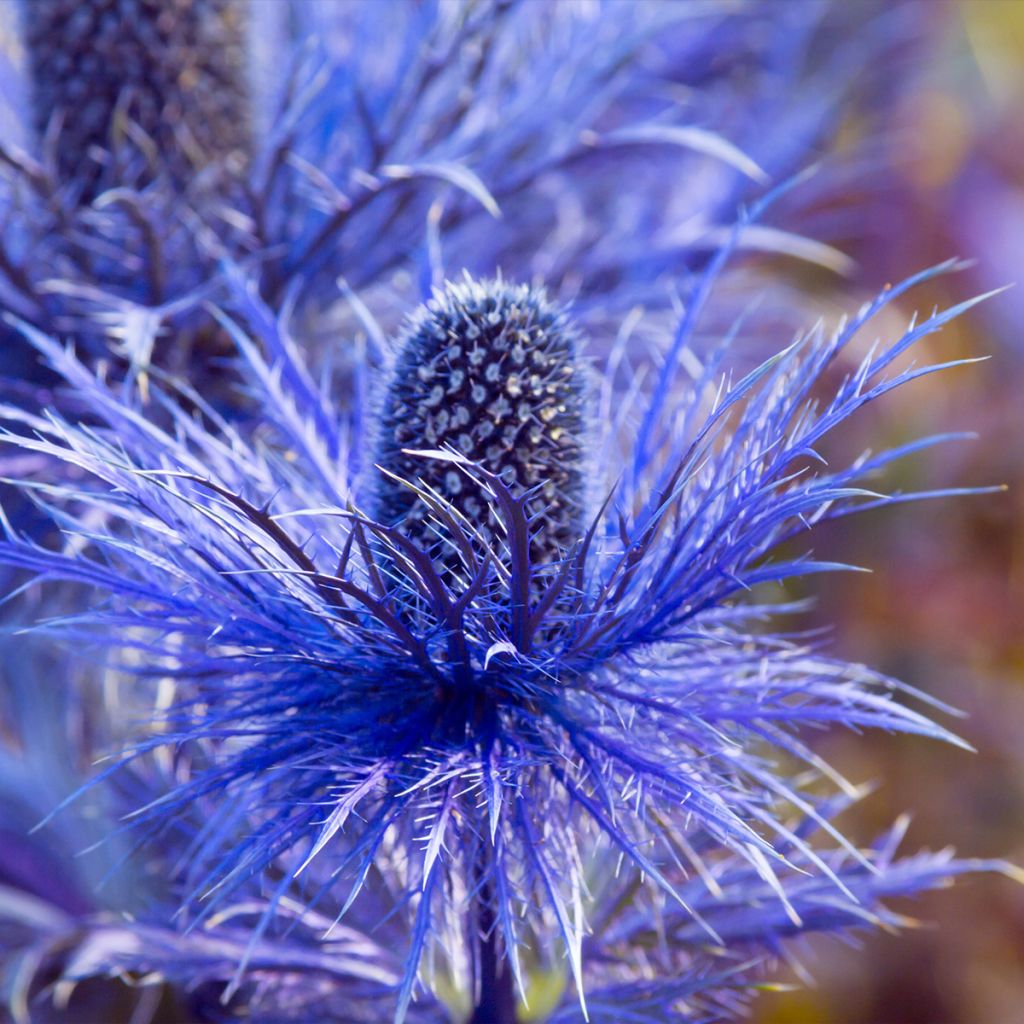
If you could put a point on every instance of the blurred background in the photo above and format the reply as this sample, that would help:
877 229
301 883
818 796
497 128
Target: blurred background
943 607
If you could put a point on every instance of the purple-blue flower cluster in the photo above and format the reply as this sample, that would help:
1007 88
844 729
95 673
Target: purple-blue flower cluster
443 674
507 746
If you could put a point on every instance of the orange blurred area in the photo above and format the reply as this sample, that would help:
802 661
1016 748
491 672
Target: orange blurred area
943 608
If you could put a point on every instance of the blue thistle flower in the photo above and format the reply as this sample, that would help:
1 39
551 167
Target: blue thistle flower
473 744
505 708
138 121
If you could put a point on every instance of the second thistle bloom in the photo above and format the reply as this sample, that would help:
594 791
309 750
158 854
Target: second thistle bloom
176 69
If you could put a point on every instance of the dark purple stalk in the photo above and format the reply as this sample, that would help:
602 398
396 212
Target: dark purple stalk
496 1001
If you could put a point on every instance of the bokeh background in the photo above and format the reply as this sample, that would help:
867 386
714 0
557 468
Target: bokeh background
943 607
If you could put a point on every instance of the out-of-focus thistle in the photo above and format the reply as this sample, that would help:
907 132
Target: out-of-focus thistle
528 758
168 76
628 135
379 154
492 372
138 141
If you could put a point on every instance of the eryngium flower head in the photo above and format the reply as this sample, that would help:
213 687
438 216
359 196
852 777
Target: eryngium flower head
479 747
176 70
493 372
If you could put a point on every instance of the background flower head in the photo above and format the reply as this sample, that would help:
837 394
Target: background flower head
627 140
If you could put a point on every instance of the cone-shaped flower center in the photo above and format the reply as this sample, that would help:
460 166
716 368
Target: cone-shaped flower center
177 69
492 371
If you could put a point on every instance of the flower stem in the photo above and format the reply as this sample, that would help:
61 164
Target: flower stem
496 1001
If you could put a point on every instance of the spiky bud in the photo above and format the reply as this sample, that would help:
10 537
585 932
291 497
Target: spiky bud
493 371
175 67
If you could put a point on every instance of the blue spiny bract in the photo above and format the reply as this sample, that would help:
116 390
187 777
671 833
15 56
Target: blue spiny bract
174 67
493 371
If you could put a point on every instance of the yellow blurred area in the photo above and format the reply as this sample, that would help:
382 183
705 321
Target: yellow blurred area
994 33
940 116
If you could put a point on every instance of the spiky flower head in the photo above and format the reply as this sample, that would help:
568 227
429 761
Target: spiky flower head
492 372
174 69
542 754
